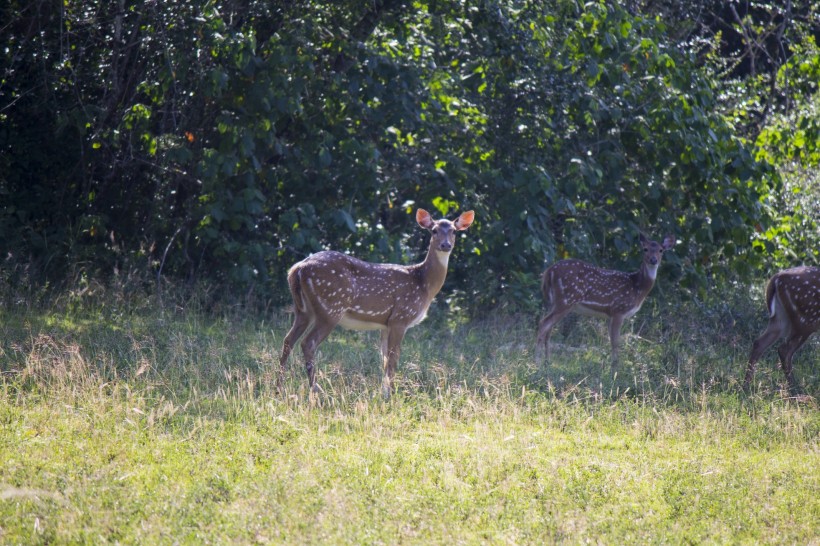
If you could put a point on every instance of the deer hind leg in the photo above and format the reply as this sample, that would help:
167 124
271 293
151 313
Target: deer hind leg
317 334
300 323
545 326
615 324
786 353
773 333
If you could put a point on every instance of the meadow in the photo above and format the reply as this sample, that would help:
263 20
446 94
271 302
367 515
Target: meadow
126 420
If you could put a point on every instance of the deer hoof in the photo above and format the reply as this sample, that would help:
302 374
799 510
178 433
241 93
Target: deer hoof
387 389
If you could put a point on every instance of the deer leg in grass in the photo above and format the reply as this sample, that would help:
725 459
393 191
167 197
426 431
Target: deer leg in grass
545 332
615 324
300 324
391 351
786 352
772 334
314 337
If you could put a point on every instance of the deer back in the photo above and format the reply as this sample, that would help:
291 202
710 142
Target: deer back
793 298
572 282
359 294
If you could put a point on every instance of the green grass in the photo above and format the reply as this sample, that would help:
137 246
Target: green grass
120 423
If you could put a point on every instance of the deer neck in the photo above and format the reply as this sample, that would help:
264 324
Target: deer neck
644 278
433 270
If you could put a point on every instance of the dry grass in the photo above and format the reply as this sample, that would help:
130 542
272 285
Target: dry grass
124 424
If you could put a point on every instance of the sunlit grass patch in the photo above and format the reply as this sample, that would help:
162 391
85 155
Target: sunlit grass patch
163 427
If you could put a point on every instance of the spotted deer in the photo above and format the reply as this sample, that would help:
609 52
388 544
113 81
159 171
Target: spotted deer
793 301
330 288
580 287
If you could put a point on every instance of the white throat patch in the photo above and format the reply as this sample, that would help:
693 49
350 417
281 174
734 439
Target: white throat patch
443 258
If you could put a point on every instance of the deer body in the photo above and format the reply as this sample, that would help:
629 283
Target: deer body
577 286
330 288
372 305
793 301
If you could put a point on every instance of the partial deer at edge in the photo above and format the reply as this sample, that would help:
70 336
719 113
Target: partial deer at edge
580 287
330 288
793 301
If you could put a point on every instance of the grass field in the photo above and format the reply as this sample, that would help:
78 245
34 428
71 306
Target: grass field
121 423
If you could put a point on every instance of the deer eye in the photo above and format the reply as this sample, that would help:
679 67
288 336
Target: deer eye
435 230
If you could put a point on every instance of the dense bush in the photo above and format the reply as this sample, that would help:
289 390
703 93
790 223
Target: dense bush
224 141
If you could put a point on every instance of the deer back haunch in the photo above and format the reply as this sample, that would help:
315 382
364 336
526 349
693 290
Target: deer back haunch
793 301
577 286
330 288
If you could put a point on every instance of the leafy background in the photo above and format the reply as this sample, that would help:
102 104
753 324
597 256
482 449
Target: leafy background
220 142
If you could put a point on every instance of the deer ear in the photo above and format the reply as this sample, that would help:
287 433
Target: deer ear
642 238
424 219
668 242
464 221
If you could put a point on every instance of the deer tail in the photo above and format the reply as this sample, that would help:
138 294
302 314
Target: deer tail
771 294
295 284
546 287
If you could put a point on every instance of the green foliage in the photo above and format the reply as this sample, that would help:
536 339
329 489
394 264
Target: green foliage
791 142
225 144
765 60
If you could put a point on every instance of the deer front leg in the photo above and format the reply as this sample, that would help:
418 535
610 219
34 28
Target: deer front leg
391 350
615 324
384 349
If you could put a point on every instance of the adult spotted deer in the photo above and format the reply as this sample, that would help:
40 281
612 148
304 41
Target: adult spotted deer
793 301
330 288
575 285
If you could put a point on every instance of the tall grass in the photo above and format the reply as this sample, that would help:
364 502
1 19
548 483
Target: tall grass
123 421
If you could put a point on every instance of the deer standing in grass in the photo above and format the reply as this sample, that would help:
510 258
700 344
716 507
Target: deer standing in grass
330 288
575 285
793 301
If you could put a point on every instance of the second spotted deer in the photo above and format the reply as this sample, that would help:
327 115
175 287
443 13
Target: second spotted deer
580 287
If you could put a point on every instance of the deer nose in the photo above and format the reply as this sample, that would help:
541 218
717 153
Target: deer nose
446 246
653 260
